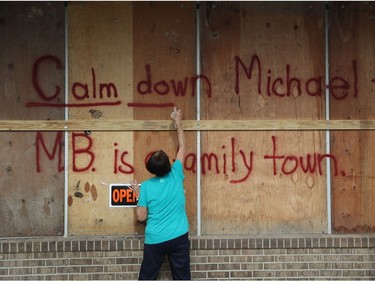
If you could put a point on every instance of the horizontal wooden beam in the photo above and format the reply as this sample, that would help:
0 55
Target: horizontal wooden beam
286 125
189 125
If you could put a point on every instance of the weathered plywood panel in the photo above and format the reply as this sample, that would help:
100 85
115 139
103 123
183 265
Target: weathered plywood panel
164 76
263 61
100 87
352 52
32 62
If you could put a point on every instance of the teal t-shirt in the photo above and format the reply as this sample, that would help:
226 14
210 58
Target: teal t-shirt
164 198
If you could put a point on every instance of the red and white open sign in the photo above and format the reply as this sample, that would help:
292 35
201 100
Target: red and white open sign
122 195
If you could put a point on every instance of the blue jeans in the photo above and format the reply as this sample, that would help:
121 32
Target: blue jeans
178 252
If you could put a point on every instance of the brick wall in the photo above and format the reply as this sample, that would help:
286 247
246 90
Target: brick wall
119 258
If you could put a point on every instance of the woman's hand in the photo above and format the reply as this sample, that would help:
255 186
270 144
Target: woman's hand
176 115
135 187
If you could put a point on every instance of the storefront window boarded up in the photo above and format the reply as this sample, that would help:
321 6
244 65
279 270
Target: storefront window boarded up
261 65
32 76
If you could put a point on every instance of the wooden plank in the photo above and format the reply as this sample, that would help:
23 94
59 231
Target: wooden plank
164 76
259 57
32 59
100 86
352 45
189 125
263 143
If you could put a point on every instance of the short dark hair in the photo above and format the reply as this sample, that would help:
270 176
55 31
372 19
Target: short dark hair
158 164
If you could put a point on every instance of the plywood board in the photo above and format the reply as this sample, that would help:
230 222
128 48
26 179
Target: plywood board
352 45
32 60
262 65
100 86
264 61
164 76
189 125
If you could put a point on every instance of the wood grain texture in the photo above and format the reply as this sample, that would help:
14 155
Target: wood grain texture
352 52
263 109
31 202
189 125
249 50
100 46
164 64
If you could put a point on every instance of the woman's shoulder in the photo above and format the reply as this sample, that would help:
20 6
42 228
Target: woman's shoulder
177 163
148 181
177 168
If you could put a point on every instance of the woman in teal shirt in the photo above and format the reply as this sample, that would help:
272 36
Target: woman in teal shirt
162 204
